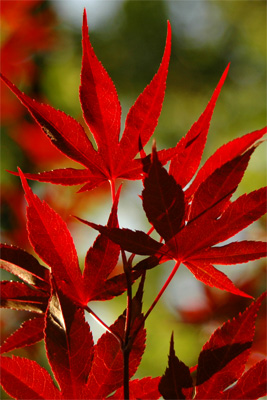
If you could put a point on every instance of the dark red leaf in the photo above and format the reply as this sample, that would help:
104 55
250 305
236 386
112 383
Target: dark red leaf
134 241
18 296
251 386
22 264
25 379
184 166
145 389
223 358
206 231
198 236
69 346
29 333
163 200
224 154
219 186
176 383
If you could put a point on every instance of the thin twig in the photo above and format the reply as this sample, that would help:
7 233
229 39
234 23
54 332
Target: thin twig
126 349
103 324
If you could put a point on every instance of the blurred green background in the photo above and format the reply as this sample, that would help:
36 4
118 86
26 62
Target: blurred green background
128 37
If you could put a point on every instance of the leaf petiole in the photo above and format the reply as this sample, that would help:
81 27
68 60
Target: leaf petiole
103 324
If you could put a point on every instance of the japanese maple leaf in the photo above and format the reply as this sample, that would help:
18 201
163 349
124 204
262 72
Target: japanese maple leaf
192 222
52 241
113 158
83 370
221 363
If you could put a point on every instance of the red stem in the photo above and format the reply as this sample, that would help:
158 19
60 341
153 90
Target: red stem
126 349
164 287
102 323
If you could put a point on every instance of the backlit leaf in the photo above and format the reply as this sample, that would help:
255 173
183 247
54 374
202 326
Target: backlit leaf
25 379
223 358
30 332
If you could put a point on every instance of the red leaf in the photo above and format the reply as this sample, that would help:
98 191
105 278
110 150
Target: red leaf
25 379
224 154
223 358
25 266
145 389
184 166
197 236
18 296
107 370
251 386
143 117
219 186
52 241
176 383
209 275
163 200
102 112
29 333
100 103
64 131
67 177
69 346
206 231
232 253
101 259
114 286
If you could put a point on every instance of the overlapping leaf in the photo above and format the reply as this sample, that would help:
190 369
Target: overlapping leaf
18 296
52 241
191 223
163 200
69 346
221 363
83 370
191 226
223 358
25 266
102 112
190 149
252 384
176 383
145 389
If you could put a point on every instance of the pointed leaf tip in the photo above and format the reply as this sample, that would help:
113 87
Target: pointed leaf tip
26 187
176 383
85 18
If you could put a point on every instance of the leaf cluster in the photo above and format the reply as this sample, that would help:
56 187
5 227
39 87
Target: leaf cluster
193 213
